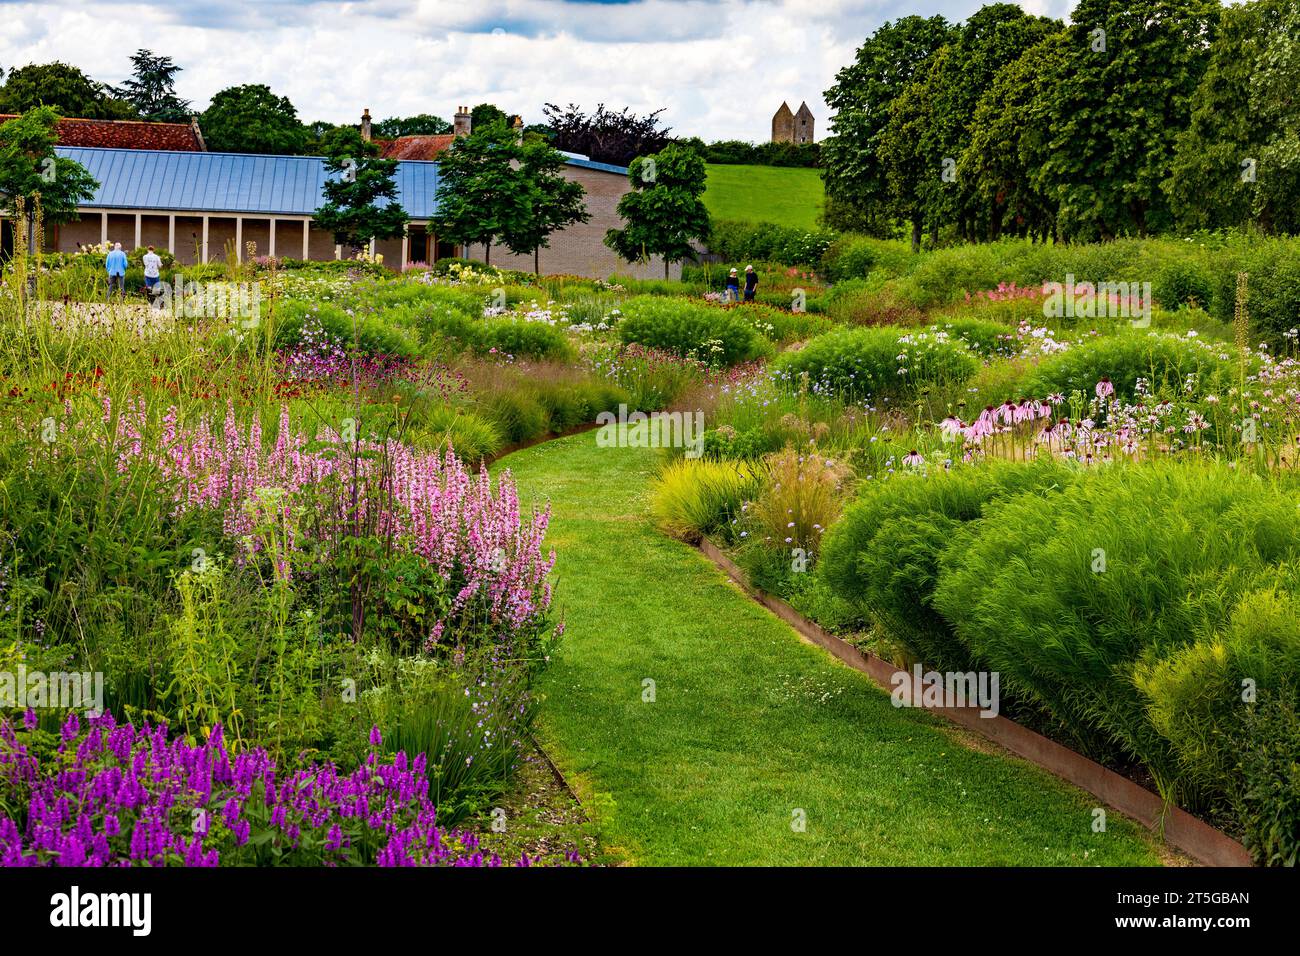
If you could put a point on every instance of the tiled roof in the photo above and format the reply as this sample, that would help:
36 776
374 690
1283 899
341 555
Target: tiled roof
414 147
230 182
124 134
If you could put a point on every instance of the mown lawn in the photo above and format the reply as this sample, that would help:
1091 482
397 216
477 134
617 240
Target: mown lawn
787 196
749 724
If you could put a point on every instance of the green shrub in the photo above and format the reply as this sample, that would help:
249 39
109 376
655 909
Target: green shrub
856 257
1199 696
715 336
750 242
1269 809
1183 283
878 363
1068 594
472 436
1163 361
883 556
985 338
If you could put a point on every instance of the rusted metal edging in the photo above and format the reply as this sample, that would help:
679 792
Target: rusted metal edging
1180 829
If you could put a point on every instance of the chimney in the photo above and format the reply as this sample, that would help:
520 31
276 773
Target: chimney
365 125
517 124
461 126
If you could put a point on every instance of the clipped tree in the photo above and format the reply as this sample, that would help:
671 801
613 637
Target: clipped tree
485 115
30 169
605 136
553 201
664 210
852 169
151 90
65 89
483 194
252 119
360 181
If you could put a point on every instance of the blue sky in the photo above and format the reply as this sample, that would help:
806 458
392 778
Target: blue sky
719 67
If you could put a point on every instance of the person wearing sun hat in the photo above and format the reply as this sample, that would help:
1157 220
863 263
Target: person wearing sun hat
751 283
733 286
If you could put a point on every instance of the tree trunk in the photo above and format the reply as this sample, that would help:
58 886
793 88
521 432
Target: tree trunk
537 258
665 267
916 235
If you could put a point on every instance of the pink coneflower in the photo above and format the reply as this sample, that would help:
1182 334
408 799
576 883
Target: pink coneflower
951 428
913 459
1104 388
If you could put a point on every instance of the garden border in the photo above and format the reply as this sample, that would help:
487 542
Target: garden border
1179 828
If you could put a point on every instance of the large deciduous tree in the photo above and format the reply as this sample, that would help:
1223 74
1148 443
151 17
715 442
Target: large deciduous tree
29 168
664 211
1119 93
252 119
855 175
606 136
65 89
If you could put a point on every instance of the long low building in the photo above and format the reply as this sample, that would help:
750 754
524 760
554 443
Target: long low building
203 206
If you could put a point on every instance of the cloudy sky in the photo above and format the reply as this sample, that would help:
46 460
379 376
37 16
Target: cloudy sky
719 67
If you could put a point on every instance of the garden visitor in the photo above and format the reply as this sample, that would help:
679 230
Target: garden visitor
733 286
152 271
115 266
751 283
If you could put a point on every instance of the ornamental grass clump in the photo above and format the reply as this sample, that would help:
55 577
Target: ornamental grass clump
716 337
694 497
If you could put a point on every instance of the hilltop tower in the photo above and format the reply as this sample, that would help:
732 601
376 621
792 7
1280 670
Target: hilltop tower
788 127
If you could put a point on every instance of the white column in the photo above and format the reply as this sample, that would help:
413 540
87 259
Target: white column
338 252
204 257
306 239
171 235
239 238
272 251
406 245
103 227
372 247
137 232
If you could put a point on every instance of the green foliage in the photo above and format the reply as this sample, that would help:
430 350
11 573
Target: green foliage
883 557
151 89
1066 594
714 336
252 119
64 89
1269 809
694 497
353 192
1163 361
423 124
664 210
768 242
28 165
878 364
483 191
861 97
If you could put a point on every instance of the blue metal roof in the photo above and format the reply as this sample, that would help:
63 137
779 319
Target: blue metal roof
230 182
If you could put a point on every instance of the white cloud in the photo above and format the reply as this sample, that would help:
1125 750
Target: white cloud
720 67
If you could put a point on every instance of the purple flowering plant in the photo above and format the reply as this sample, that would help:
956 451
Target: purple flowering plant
115 795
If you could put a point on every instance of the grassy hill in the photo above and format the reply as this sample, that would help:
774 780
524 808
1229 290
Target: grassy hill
790 196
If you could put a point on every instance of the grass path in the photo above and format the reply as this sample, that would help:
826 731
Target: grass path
749 724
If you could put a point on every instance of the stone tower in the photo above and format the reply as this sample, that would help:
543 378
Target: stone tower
803 124
783 125
790 127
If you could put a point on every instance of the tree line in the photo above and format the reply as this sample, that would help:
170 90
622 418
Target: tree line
1139 117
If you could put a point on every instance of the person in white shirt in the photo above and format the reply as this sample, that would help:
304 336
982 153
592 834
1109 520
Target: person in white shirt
152 270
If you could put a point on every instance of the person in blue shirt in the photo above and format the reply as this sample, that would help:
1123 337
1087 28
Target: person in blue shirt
115 266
